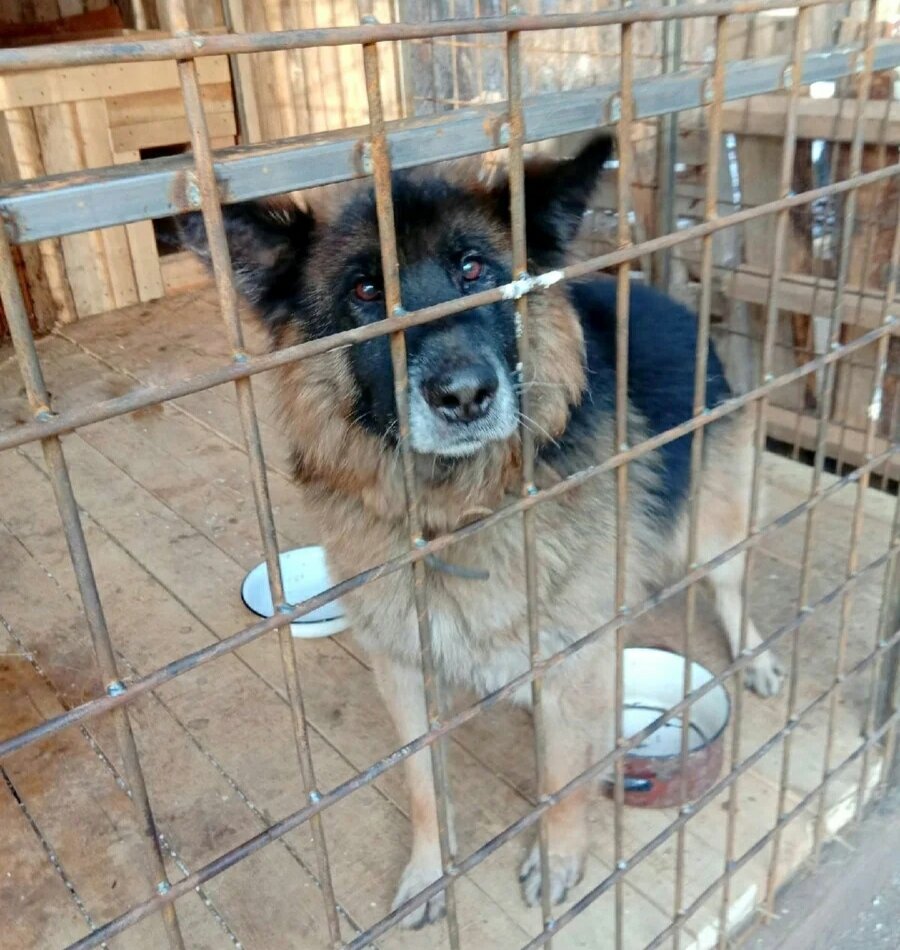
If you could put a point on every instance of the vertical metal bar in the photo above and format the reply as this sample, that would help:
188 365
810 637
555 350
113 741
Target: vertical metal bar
788 156
623 303
520 269
453 44
871 229
667 152
715 96
387 235
404 64
479 58
824 408
228 304
402 15
890 594
39 401
435 73
886 694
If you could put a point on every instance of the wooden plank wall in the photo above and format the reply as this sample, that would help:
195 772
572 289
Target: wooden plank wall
299 92
44 11
807 291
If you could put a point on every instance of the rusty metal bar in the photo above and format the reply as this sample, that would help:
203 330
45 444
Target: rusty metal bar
623 311
779 825
143 396
48 432
190 46
788 156
54 458
525 370
886 688
84 200
651 846
881 160
881 689
228 304
667 153
287 824
253 632
826 395
387 236
716 92
873 417
817 263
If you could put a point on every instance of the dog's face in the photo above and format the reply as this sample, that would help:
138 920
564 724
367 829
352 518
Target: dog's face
451 241
461 370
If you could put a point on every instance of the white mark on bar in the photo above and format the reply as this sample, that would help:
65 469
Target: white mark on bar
516 289
523 285
549 279
876 404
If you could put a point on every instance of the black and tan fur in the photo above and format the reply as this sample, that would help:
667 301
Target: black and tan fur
304 278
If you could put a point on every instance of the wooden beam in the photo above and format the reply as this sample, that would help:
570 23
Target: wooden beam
799 429
798 293
816 119
129 138
53 86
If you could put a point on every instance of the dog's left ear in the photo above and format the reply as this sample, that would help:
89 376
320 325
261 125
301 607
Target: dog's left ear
556 196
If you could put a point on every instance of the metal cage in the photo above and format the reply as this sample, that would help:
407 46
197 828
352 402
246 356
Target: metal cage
66 204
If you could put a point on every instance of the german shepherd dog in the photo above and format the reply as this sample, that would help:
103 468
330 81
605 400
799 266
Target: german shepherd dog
307 279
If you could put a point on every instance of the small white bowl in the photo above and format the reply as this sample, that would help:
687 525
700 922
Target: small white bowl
305 574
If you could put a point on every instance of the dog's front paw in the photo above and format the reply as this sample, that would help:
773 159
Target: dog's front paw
764 674
565 872
416 877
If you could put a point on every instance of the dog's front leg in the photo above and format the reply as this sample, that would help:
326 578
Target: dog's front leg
575 725
404 693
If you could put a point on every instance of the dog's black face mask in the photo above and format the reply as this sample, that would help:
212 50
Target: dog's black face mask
451 241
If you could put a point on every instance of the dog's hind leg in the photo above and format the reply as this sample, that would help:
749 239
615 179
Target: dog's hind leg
723 522
764 673
403 692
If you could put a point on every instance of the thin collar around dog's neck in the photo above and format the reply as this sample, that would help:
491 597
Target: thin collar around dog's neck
457 570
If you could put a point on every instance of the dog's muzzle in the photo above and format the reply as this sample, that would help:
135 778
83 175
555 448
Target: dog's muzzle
454 410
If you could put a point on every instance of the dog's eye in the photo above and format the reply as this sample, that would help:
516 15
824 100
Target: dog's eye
366 291
472 267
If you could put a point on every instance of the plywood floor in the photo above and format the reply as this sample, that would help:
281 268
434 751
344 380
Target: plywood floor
169 520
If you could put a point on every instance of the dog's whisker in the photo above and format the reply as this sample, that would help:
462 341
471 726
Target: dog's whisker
537 384
536 428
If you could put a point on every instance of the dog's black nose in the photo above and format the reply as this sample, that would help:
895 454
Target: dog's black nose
464 394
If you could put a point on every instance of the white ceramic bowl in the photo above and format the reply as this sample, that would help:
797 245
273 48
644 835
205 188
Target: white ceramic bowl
305 574
653 774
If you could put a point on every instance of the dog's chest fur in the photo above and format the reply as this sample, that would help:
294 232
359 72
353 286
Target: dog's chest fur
479 627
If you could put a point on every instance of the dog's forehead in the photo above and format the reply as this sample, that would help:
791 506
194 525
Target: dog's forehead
431 215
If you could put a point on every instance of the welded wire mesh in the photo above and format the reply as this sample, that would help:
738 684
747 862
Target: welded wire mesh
484 60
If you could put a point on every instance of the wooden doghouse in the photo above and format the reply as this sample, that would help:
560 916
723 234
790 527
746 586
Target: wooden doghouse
55 121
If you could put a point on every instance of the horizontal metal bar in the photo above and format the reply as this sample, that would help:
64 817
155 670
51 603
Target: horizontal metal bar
96 198
581 905
299 817
191 661
195 45
142 397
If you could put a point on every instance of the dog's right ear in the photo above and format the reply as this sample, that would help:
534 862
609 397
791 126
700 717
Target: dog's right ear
268 245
